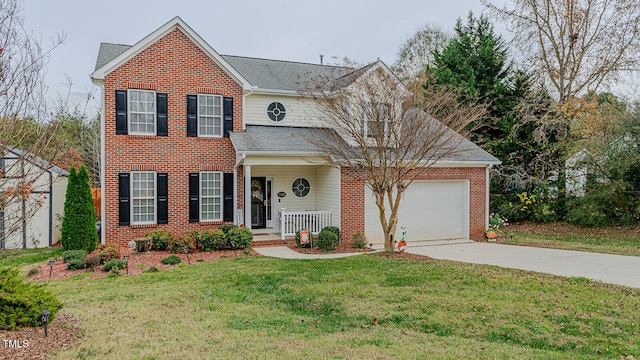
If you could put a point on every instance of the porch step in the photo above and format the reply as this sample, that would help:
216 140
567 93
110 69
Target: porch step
268 240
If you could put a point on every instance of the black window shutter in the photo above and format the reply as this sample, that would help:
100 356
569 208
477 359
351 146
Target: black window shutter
124 209
227 207
121 111
228 116
161 114
194 197
163 195
192 115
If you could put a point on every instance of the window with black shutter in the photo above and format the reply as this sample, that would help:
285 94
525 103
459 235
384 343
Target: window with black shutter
121 112
194 197
162 114
228 116
163 195
227 209
124 208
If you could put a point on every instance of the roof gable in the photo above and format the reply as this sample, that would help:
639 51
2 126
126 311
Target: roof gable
112 56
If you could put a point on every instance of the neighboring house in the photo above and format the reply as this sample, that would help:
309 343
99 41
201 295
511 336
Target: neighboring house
193 139
32 220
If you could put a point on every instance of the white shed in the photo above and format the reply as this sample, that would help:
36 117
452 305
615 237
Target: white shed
34 220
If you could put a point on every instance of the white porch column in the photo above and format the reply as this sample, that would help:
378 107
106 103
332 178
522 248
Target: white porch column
247 196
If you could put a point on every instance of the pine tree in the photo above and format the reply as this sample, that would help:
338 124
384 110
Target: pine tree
78 224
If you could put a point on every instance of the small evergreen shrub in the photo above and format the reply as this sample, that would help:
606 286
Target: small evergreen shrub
108 252
212 240
226 227
307 245
359 241
114 264
21 302
73 254
159 239
187 239
75 259
327 240
333 229
171 260
241 236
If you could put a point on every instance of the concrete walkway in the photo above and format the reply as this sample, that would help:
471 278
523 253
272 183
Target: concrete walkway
613 269
284 252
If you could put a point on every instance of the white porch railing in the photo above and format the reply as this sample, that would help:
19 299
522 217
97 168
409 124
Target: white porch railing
293 221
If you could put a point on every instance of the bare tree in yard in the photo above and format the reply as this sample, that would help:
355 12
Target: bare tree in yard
416 52
25 121
578 46
389 133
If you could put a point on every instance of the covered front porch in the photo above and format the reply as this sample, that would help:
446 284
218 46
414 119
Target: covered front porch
288 184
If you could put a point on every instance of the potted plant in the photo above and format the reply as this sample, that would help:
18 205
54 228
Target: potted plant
496 222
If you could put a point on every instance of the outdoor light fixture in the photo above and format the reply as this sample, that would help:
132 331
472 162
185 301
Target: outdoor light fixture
186 251
233 247
51 262
44 318
371 245
126 261
132 245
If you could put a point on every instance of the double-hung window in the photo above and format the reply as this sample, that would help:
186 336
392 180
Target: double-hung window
210 196
375 118
143 197
142 112
209 115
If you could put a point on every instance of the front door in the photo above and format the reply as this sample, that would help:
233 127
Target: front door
258 202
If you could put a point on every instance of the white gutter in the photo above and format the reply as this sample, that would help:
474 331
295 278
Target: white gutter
103 203
487 193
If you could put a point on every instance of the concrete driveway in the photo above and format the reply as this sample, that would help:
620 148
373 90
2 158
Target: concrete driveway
613 269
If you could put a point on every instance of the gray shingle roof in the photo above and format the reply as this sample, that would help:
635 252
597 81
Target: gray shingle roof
278 139
37 160
282 75
108 52
263 73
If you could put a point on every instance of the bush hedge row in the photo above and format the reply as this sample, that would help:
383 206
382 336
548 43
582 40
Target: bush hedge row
225 237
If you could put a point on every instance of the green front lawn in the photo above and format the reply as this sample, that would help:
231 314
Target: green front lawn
23 257
612 240
363 307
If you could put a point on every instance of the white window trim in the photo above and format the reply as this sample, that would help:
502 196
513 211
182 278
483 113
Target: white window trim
266 112
221 196
221 116
293 192
155 199
366 132
155 114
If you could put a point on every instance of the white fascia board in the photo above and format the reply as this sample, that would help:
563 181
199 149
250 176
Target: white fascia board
377 65
276 92
176 22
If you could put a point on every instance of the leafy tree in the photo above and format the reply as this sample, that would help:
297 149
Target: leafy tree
78 224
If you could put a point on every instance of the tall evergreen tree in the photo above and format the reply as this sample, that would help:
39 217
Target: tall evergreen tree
78 224
476 62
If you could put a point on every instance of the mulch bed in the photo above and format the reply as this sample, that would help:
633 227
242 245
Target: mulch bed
31 343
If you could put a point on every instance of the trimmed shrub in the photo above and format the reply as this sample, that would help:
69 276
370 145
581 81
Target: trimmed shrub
187 239
327 240
307 245
212 240
241 236
159 239
114 264
75 259
108 252
171 260
79 221
21 302
359 241
226 227
333 229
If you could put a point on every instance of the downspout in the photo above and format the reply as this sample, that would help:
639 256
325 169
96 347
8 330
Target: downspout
50 208
103 217
244 101
486 202
235 189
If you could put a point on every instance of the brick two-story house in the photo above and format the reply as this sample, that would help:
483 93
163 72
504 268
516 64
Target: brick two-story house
192 139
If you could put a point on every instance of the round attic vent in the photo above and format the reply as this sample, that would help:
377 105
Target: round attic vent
276 111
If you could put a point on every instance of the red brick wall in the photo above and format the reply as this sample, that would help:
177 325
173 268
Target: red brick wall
352 207
172 65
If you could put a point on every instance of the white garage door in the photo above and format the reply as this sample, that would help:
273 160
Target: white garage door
430 210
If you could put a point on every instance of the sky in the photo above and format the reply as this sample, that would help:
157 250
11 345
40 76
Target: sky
284 29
